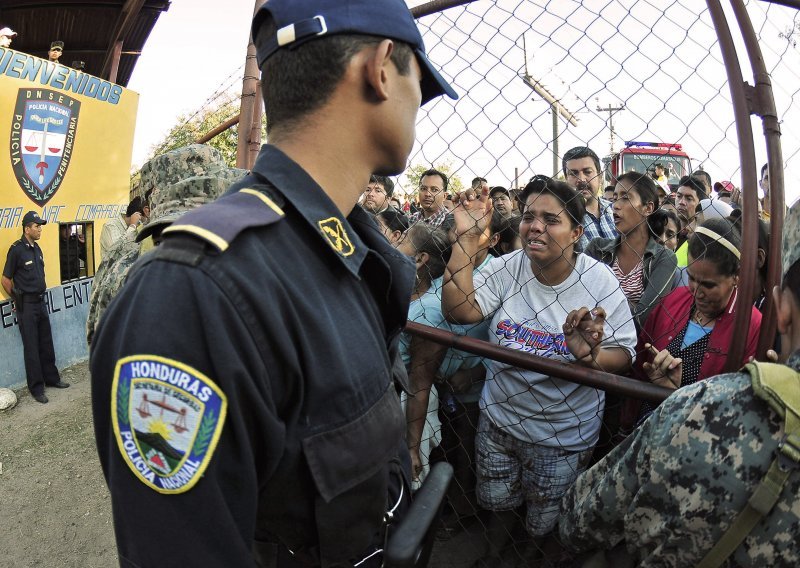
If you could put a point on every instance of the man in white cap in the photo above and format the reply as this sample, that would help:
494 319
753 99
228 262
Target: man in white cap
6 35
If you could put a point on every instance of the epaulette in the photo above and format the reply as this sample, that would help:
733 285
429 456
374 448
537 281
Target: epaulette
221 221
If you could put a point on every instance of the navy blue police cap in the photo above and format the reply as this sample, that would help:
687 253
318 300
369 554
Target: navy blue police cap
300 21
32 217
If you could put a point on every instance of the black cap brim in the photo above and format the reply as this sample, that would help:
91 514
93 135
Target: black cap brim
433 84
152 227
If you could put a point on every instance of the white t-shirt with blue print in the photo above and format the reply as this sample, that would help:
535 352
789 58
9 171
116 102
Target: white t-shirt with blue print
526 315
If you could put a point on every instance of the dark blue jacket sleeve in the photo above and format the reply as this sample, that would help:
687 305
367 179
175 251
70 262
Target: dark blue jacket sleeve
196 324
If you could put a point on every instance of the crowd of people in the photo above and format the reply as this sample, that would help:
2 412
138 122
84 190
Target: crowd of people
640 282
269 322
652 295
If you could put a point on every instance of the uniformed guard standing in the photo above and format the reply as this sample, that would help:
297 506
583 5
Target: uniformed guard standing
23 280
244 403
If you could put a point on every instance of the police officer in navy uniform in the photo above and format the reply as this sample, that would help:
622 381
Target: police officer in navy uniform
244 404
23 280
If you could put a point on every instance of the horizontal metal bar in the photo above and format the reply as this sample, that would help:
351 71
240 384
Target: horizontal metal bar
570 372
436 6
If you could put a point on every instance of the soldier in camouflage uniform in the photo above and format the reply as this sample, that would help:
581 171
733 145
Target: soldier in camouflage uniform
672 489
181 179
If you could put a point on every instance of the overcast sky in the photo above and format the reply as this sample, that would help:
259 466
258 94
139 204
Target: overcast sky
661 62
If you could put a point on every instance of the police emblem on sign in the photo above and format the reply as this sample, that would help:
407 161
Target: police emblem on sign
167 419
42 137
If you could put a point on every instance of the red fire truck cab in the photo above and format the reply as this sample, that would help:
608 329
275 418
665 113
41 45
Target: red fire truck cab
642 157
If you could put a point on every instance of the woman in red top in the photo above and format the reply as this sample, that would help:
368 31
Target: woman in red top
685 339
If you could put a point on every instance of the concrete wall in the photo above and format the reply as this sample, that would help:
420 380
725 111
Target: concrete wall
68 306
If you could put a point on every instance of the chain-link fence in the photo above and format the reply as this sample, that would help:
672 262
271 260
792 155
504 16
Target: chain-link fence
533 360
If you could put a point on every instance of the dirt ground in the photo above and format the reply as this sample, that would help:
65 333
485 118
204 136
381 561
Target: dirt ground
54 503
55 508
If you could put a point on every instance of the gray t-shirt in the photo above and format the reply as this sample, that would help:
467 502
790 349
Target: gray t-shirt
528 316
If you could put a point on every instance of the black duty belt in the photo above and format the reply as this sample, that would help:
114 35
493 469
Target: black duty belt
26 297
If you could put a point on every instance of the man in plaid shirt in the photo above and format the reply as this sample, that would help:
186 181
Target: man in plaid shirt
582 171
432 191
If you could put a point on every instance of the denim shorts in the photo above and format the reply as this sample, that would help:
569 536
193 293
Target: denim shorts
511 472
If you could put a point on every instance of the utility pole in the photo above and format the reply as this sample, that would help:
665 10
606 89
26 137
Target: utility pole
556 108
610 110
249 110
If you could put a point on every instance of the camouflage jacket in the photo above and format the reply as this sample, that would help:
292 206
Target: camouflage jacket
108 280
672 489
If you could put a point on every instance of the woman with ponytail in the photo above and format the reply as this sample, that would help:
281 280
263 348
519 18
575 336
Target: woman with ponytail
644 268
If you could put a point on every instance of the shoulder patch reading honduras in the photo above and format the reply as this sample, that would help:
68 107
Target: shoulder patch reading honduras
167 418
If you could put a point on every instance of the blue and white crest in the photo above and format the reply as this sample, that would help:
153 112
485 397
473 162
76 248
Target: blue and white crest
42 137
167 418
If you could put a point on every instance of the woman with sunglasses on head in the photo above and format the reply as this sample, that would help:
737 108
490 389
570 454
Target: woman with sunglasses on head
645 269
536 433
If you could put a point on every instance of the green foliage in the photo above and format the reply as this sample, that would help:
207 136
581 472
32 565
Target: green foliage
414 173
190 127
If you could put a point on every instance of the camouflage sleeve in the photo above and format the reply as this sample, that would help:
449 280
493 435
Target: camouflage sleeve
593 510
605 501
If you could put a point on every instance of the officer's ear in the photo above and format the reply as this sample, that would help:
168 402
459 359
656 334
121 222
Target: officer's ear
378 67
761 259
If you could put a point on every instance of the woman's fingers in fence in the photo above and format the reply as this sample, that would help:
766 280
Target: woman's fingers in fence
473 214
583 330
664 370
771 356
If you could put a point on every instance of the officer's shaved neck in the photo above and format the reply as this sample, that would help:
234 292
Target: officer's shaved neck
331 143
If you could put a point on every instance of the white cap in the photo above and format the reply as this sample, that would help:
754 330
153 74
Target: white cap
715 209
8 32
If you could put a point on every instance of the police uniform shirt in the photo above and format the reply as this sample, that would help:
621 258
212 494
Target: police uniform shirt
25 266
288 315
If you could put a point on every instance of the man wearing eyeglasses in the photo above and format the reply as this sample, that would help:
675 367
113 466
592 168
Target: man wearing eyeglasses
432 192
378 194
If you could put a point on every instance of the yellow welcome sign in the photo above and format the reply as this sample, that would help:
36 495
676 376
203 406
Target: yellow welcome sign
69 141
